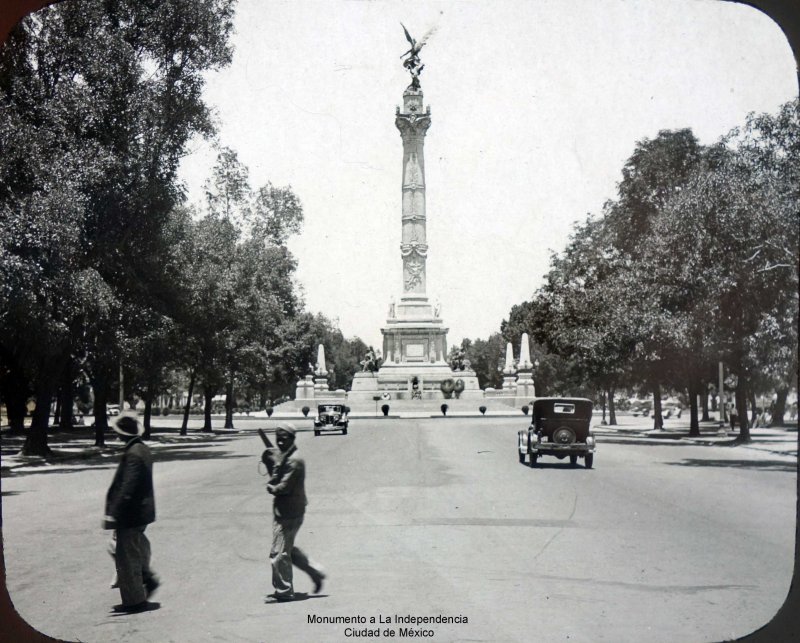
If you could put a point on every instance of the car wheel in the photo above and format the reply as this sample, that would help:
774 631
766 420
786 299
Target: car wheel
522 458
534 458
573 459
344 431
589 460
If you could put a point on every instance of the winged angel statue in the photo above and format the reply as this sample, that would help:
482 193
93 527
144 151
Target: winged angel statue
412 61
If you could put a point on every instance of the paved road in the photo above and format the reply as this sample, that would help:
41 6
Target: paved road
423 518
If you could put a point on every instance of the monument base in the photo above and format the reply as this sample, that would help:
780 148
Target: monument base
397 380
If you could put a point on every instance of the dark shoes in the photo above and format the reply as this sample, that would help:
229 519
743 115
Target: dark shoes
144 606
279 598
318 583
151 585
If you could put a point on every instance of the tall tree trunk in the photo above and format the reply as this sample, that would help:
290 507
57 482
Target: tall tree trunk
185 423
694 425
704 402
208 395
67 397
148 411
16 395
741 407
65 417
612 410
603 402
751 397
36 440
229 402
57 410
100 411
779 408
658 418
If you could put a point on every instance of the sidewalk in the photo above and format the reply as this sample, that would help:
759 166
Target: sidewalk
775 440
78 445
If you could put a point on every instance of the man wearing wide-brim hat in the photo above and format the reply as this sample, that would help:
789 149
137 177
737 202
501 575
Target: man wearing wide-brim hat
130 507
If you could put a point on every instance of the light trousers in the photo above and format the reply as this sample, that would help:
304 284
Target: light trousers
284 554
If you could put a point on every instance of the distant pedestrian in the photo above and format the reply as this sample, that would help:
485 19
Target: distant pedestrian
734 416
287 485
130 507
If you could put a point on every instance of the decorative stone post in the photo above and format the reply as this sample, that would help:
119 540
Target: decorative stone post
526 391
509 372
320 371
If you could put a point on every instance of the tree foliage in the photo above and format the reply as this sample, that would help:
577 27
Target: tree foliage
695 262
98 102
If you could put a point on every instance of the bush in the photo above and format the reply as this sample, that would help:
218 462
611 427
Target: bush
270 410
444 409
305 411
385 409
482 409
458 387
155 410
347 409
165 411
525 409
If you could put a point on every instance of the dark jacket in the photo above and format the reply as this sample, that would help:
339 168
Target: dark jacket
130 500
289 484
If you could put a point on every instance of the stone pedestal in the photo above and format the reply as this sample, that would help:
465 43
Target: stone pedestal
526 391
509 384
305 389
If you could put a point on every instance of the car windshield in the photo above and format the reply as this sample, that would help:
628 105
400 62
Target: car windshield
330 409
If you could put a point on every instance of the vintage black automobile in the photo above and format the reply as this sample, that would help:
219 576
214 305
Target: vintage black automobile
331 417
561 426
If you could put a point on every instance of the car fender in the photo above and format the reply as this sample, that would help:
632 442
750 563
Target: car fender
522 441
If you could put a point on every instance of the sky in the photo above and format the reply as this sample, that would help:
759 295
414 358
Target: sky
536 105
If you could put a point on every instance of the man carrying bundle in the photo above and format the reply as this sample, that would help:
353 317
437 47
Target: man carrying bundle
287 486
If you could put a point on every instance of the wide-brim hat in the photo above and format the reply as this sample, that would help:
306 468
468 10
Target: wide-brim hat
127 424
286 427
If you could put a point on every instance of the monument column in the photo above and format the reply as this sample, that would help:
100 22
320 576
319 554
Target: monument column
413 124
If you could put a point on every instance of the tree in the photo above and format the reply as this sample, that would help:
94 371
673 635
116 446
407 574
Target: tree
730 252
98 102
276 214
486 359
657 170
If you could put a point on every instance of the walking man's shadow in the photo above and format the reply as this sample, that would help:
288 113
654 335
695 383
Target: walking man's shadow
122 610
298 596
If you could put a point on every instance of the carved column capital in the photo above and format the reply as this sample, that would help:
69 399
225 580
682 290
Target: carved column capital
412 125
